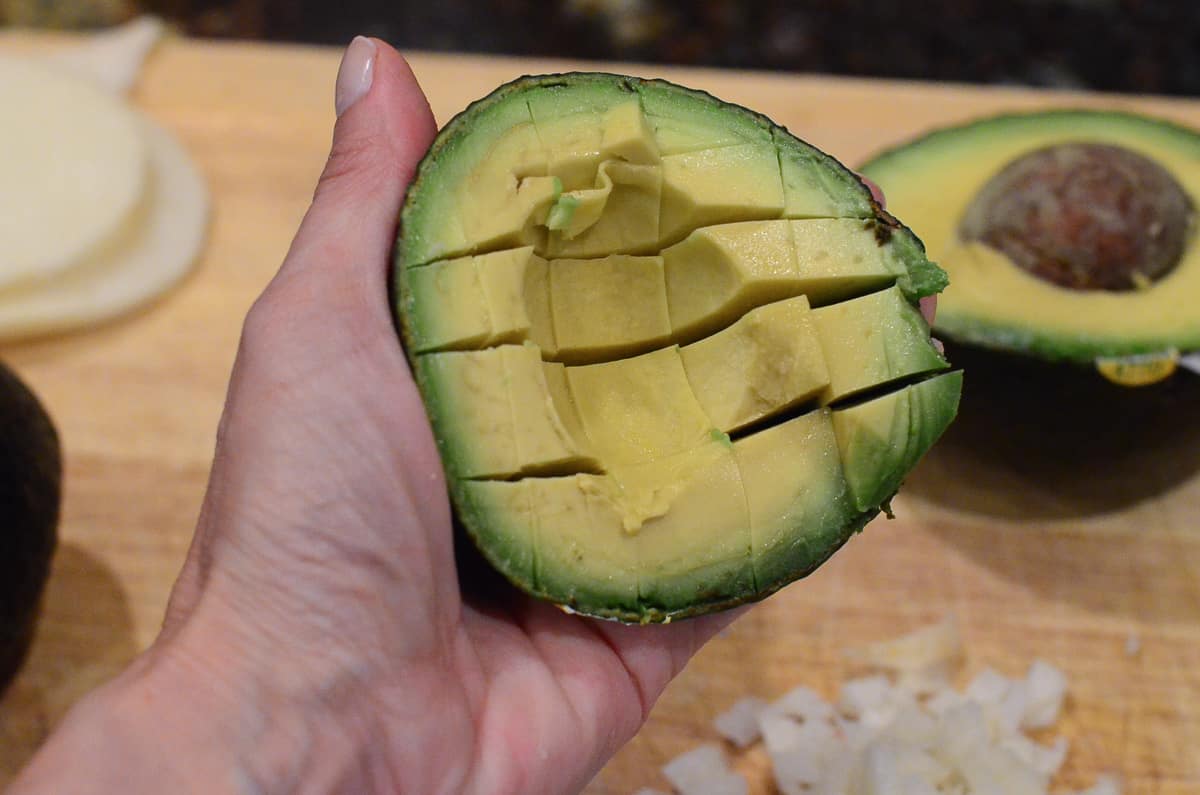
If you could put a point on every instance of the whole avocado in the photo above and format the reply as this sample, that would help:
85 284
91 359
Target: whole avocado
30 493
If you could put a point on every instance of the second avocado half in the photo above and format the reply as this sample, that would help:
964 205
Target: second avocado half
1069 235
672 354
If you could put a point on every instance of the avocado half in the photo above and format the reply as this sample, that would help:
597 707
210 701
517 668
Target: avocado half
1135 212
30 491
672 355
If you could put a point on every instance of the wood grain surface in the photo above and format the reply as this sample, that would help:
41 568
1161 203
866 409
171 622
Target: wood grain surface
1056 520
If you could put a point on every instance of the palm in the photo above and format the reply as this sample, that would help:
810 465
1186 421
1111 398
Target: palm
563 693
520 696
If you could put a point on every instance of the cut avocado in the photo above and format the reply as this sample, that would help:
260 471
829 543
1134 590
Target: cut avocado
886 436
873 340
768 361
1068 235
649 376
30 490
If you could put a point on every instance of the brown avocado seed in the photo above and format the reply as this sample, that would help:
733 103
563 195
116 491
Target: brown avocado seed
1084 215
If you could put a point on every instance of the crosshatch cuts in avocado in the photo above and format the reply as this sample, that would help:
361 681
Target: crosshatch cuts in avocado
1069 235
672 355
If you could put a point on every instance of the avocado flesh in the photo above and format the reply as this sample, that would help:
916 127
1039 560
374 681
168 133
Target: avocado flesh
766 362
794 477
720 272
608 307
585 369
500 415
873 340
30 493
517 414
887 435
713 186
580 310
931 182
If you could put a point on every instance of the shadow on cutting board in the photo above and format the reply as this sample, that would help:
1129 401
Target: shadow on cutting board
85 636
1046 474
1036 441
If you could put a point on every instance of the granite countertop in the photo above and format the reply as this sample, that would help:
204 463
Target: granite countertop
1133 46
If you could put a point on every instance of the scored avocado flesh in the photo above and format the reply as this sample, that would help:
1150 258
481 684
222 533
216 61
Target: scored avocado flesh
638 384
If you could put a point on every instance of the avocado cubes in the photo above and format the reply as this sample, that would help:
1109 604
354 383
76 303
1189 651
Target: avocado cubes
671 354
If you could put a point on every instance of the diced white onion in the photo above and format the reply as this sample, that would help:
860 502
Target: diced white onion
1047 688
690 772
727 784
862 695
890 737
988 687
803 703
780 733
1013 709
1105 785
1046 760
925 681
927 647
739 724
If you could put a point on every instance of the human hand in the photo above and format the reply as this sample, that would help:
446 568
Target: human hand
318 639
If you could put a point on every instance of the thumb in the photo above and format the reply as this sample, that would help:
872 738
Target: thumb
383 129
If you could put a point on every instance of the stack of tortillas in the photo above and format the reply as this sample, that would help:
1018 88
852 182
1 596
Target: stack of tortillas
101 209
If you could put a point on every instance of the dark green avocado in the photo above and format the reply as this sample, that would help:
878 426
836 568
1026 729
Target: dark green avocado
30 492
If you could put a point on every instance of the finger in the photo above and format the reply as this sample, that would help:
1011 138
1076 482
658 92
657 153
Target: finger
929 308
611 674
876 191
383 129
929 303
656 654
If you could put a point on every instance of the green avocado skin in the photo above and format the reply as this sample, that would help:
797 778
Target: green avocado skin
30 494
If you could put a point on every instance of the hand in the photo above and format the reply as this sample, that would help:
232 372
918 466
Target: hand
318 639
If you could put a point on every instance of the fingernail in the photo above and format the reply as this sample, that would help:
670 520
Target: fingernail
355 73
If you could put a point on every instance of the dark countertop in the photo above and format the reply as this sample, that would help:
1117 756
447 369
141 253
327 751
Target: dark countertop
1134 46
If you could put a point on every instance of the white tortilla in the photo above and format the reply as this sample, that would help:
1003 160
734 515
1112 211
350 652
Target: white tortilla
72 168
112 59
154 250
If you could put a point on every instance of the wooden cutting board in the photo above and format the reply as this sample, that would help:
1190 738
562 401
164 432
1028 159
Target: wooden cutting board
1068 533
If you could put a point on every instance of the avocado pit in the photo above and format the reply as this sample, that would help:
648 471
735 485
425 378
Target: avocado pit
1086 216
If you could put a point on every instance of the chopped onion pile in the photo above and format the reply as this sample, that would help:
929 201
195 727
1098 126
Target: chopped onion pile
904 732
